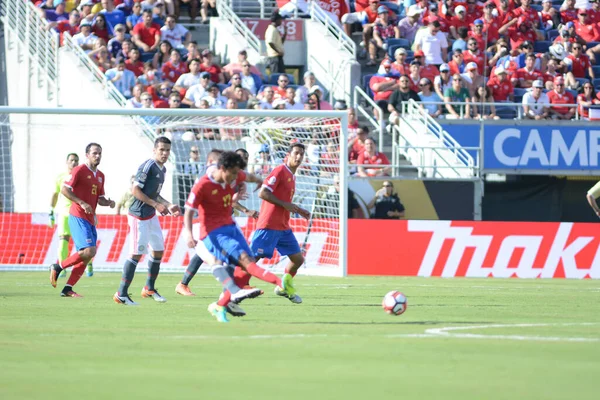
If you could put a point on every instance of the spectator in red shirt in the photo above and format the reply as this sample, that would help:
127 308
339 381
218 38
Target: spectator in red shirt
71 25
100 28
427 70
525 76
549 16
473 54
216 75
356 146
400 66
414 76
586 30
586 98
174 68
502 89
560 96
134 64
478 34
491 23
578 63
458 20
371 162
146 34
568 13
525 13
519 31
383 29
594 12
457 64
383 85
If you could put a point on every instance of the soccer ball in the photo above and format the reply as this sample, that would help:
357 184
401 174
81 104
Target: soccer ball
394 303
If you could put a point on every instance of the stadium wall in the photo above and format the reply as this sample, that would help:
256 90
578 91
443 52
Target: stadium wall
42 141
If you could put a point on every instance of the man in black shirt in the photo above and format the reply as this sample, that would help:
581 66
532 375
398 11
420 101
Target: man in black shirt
399 96
387 203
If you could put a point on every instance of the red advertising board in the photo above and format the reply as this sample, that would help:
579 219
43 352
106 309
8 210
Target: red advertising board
474 249
295 28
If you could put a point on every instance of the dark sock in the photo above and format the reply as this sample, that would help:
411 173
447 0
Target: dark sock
128 273
192 269
67 288
225 276
153 270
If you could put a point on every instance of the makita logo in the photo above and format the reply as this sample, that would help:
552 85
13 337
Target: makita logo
555 252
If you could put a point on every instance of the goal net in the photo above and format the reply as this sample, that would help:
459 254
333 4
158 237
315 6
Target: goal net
34 153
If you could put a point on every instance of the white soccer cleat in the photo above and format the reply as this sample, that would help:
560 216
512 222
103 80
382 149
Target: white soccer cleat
126 300
234 309
244 294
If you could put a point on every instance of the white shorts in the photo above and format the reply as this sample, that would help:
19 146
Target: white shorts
145 232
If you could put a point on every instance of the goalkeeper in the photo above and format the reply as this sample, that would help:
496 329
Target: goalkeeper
61 217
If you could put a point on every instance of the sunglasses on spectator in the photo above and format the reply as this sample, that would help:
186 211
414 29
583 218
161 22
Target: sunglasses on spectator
456 80
236 78
146 98
560 84
387 185
422 84
472 44
193 151
245 65
582 15
204 77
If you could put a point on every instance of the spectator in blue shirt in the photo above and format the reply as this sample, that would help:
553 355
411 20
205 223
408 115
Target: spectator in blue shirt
111 14
135 16
56 14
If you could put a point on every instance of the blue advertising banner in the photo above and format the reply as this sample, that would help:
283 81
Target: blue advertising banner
530 148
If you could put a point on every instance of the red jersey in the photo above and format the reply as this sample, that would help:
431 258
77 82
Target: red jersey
136 67
593 16
457 22
377 160
401 69
523 73
429 72
213 70
492 27
64 26
517 37
500 90
476 58
214 202
588 32
568 16
381 79
584 111
530 15
565 98
89 187
579 65
147 35
282 183
171 72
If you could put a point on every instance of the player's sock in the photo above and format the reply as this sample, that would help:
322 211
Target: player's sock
191 270
63 249
225 298
241 277
71 260
289 271
67 288
76 273
225 276
153 270
127 277
263 274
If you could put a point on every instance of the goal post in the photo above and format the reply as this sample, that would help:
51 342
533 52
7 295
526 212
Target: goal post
36 141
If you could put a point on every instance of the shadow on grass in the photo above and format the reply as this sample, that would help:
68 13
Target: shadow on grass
390 323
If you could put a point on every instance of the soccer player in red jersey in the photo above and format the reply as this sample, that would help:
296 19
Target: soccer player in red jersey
273 228
85 189
213 196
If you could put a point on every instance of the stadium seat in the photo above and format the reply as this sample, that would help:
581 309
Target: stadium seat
391 6
506 112
573 92
365 83
596 69
520 92
274 77
393 44
541 46
263 87
582 81
536 7
518 99
552 34
596 82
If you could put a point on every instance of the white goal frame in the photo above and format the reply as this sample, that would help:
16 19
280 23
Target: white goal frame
25 112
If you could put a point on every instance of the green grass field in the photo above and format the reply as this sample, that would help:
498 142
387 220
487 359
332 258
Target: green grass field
339 344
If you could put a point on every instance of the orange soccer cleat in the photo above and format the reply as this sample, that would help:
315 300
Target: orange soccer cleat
70 293
153 294
183 290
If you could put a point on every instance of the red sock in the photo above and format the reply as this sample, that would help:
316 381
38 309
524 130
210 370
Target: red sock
263 274
76 274
241 277
226 298
71 260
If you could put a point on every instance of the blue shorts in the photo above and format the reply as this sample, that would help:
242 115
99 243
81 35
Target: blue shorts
265 241
83 233
227 244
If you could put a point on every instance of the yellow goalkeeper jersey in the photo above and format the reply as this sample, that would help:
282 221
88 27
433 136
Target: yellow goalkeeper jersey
62 204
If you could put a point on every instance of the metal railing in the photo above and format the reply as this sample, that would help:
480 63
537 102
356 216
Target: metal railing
24 24
505 111
239 27
330 78
333 28
446 150
359 97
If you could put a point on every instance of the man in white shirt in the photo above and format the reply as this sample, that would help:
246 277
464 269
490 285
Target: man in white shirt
214 98
290 102
175 33
85 38
197 92
187 80
433 43
535 102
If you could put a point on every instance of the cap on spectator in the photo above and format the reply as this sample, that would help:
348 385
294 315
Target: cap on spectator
204 75
444 67
57 2
538 84
478 22
86 3
500 70
569 25
206 53
582 11
265 147
424 81
471 66
119 28
340 105
386 63
85 22
460 9
314 89
419 53
559 79
381 10
400 50
526 44
457 51
211 86
414 10
309 73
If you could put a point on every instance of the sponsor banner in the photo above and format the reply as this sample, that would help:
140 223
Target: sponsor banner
295 28
27 240
474 249
524 148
